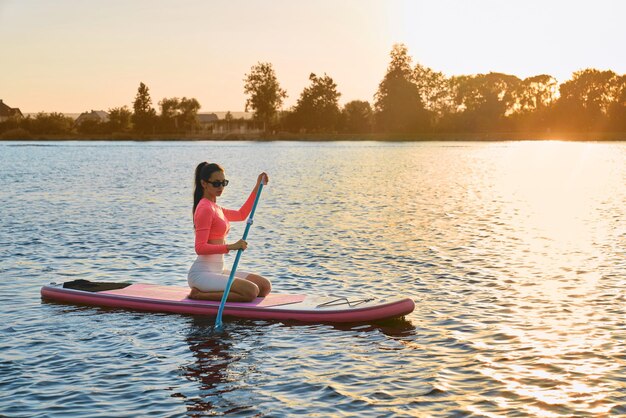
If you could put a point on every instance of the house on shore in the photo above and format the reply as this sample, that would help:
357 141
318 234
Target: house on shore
7 112
95 115
229 122
206 121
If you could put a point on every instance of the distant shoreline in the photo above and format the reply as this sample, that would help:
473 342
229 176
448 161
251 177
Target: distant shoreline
285 136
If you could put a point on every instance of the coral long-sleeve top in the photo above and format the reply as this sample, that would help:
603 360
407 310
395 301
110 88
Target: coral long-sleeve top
212 222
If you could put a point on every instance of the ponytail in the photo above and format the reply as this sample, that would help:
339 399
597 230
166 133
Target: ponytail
197 187
204 171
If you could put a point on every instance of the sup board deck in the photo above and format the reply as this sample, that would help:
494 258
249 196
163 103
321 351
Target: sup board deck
275 306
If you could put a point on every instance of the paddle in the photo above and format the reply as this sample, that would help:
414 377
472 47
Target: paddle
218 319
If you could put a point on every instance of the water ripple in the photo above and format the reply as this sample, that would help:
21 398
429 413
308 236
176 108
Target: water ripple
513 252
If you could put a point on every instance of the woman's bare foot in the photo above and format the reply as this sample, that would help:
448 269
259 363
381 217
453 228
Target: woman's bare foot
199 295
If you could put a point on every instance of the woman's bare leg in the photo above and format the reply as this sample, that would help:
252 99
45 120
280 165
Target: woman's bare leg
264 285
240 291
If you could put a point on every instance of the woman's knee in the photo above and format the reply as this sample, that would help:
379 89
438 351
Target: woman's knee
246 289
252 292
265 288
264 285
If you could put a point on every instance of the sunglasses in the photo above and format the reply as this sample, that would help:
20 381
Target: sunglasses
223 183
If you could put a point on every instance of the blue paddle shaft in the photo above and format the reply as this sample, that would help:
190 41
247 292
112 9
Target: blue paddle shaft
220 311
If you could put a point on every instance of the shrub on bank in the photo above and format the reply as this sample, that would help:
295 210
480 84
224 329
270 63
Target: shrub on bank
122 136
17 133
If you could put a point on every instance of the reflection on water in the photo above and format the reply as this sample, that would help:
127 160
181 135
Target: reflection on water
221 366
555 193
515 254
213 356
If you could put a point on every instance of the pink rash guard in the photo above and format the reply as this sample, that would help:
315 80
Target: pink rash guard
212 223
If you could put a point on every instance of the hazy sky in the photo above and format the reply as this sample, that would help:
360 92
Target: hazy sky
76 55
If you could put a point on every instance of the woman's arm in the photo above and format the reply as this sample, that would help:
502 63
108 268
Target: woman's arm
244 211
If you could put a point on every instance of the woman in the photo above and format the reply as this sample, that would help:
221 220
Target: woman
207 276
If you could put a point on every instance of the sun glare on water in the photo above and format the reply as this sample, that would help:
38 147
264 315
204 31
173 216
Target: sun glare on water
552 196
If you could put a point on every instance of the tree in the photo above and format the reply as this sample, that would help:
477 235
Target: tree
119 119
434 90
533 103
12 123
144 115
229 119
178 115
188 113
91 127
398 104
483 101
585 100
266 96
535 93
317 109
357 117
53 123
169 115
617 109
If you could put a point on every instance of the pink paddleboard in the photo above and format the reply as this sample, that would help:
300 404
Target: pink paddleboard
305 308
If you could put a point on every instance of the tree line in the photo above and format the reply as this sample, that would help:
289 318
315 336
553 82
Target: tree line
177 116
410 99
417 99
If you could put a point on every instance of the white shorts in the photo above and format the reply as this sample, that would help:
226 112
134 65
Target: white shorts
207 273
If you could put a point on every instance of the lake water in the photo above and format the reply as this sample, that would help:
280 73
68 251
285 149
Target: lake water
514 252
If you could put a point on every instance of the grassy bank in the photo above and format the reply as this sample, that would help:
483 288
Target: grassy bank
286 136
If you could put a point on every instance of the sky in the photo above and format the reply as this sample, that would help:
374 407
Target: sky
76 55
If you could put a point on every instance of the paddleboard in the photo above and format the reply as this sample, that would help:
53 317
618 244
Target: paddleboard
275 306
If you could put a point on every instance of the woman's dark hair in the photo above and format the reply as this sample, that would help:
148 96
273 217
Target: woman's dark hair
204 171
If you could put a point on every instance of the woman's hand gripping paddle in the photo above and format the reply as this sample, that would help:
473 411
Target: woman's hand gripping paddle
220 311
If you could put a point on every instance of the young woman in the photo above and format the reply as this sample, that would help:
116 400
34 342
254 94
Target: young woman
207 276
